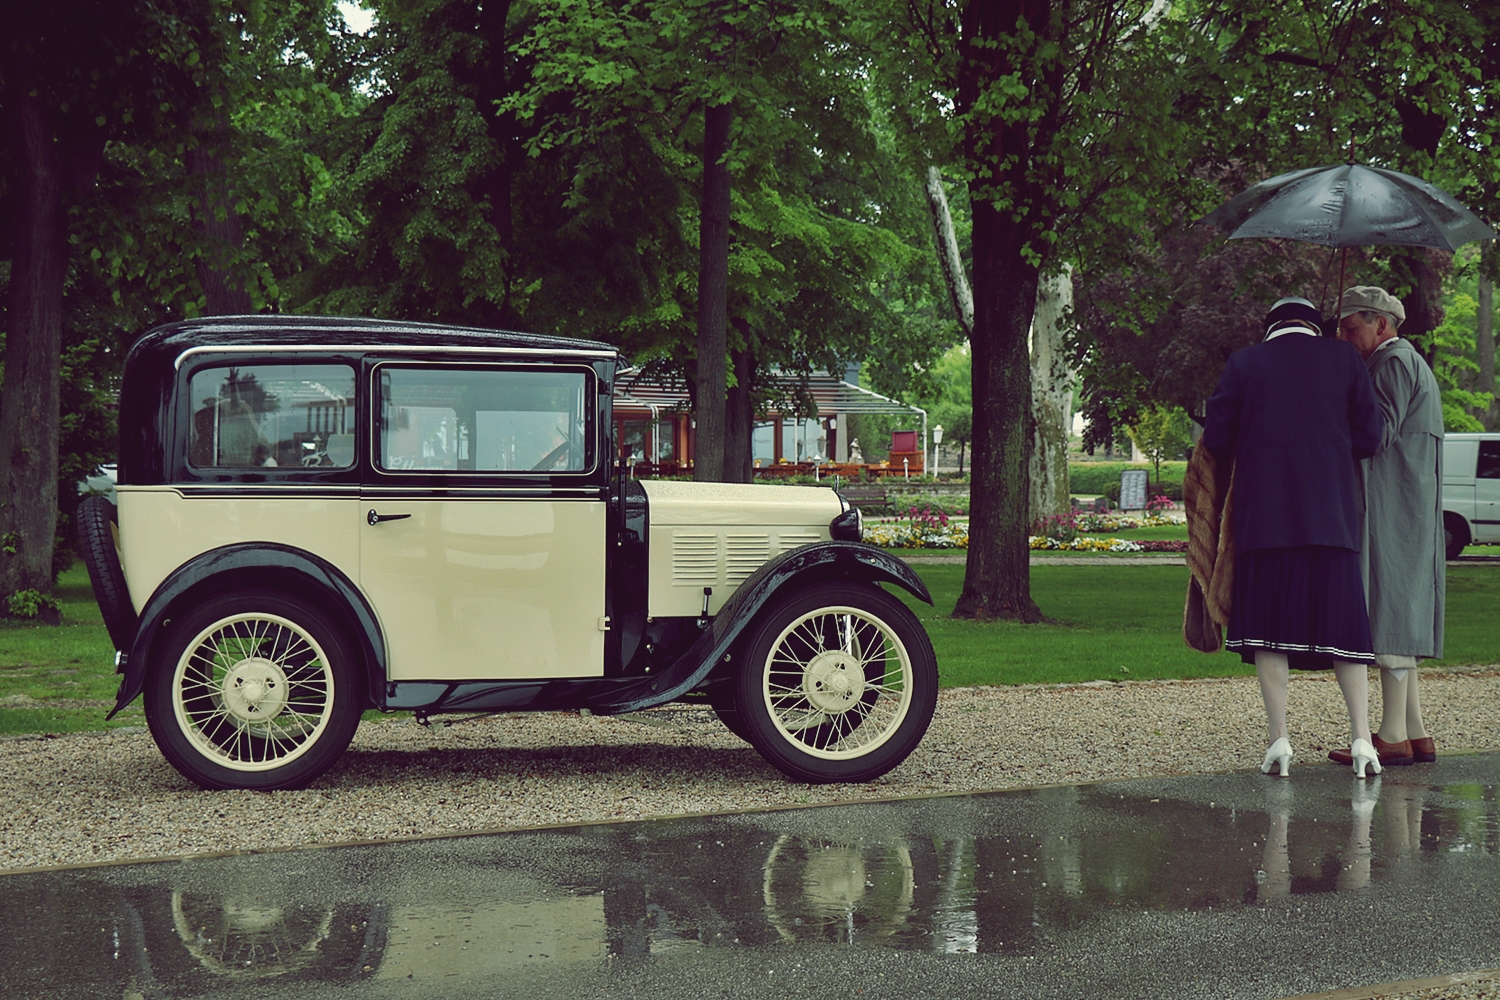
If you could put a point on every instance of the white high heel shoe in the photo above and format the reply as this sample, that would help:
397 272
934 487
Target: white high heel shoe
1279 755
1363 754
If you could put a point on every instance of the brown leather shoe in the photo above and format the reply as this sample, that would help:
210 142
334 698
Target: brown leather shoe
1424 750
1391 754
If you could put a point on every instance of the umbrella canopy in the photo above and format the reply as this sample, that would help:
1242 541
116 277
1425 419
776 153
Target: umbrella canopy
1349 205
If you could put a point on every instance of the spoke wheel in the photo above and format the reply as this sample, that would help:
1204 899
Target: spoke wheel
840 684
254 692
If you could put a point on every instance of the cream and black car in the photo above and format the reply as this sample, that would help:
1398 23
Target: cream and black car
315 517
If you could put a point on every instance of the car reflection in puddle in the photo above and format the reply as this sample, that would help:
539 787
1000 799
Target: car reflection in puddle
1007 873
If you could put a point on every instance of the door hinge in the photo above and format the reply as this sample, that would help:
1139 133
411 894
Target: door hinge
604 623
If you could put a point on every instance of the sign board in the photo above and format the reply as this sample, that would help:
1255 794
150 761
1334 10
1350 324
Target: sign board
1133 489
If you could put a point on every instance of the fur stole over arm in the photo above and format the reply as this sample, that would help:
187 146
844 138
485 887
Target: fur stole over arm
1207 494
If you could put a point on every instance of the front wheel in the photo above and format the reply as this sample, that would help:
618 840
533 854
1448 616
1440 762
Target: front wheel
253 691
839 684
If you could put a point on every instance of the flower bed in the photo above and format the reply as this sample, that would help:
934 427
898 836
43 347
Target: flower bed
936 533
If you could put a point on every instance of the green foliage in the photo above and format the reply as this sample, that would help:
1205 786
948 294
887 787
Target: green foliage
1098 478
32 604
1162 432
1451 347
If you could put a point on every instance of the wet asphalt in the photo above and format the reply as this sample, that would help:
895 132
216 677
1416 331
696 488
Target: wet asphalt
1221 886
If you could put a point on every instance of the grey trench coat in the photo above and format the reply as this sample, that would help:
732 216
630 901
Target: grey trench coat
1403 558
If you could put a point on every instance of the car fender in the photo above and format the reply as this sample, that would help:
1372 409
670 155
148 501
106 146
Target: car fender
801 566
254 564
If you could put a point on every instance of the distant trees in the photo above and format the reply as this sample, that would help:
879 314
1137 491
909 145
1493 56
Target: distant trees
722 189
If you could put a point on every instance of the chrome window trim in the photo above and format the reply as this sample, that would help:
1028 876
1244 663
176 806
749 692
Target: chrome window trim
534 352
372 417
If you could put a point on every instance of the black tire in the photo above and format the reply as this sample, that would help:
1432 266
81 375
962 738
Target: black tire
255 691
839 683
97 524
1455 536
722 700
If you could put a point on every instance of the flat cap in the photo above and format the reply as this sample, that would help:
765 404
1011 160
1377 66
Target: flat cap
1369 298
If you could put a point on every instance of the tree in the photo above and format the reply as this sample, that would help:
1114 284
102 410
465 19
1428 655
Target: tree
1162 432
70 73
1057 148
819 266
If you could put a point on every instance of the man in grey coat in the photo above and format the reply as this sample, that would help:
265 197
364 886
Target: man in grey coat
1403 556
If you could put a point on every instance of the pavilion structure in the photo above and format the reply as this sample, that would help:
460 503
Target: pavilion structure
655 427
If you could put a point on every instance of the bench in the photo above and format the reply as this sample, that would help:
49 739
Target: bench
864 496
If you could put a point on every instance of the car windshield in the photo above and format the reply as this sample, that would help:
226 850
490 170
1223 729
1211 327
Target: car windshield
262 416
484 420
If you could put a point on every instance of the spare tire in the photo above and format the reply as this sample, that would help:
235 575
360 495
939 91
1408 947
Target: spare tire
97 524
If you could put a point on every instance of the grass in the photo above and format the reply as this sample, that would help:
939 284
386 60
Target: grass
47 671
1124 622
1119 622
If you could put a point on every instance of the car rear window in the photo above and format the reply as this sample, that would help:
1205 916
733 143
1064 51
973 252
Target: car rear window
272 416
484 420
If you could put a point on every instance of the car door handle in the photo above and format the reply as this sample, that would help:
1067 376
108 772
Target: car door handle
374 518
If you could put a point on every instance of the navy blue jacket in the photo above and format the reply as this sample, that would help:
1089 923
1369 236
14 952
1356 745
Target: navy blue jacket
1295 413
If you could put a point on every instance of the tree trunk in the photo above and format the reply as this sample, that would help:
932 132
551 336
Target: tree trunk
1486 333
1000 40
29 417
219 271
997 578
494 85
739 419
1051 396
952 263
713 297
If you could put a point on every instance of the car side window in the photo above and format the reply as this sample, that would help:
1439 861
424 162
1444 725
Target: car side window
272 416
484 420
1489 460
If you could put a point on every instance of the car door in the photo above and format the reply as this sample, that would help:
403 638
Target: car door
482 547
1487 492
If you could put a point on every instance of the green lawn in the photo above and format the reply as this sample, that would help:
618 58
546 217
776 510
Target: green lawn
61 666
1124 622
1117 622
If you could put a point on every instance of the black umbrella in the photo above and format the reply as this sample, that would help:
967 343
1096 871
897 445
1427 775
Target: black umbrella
1349 205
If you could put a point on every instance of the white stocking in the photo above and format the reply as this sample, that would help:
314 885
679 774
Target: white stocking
1354 682
1414 728
1272 670
1393 694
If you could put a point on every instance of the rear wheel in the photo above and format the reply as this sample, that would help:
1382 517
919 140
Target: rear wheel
1455 536
253 691
839 684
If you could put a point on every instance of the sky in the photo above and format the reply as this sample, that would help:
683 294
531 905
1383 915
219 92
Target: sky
356 17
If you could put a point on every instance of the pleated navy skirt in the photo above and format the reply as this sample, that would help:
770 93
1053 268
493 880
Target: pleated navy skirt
1307 602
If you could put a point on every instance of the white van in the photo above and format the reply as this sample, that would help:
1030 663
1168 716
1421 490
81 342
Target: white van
1471 490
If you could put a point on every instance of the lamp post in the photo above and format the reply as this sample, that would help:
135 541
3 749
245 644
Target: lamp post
937 450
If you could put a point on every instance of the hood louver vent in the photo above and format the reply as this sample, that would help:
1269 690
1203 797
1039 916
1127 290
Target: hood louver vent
695 559
746 554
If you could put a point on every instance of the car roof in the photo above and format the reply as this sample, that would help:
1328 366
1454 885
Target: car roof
1472 436
172 342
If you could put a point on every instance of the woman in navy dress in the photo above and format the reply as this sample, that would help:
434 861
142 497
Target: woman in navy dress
1295 413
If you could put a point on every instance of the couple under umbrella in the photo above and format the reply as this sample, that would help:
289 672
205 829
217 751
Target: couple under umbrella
1289 422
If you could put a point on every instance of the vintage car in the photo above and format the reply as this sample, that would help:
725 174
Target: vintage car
315 517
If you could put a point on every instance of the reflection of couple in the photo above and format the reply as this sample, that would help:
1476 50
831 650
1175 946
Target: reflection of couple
1293 416
1402 812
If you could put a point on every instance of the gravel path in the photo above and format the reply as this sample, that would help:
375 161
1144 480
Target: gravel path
92 797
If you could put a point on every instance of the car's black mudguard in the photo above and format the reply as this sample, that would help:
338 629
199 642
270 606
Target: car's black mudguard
259 565
805 565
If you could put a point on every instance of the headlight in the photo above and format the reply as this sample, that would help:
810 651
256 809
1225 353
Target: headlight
848 526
